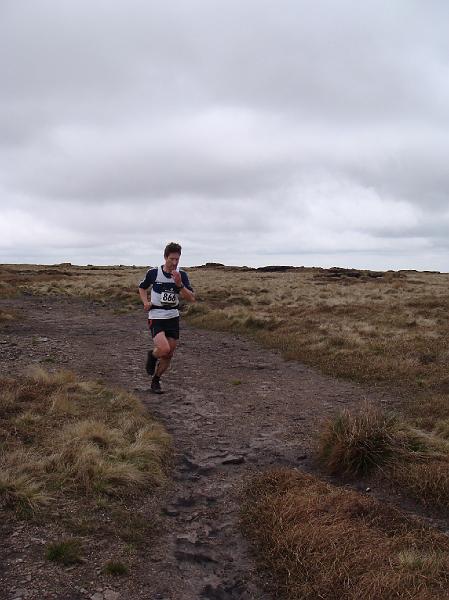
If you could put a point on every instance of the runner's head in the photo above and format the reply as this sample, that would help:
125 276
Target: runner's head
172 254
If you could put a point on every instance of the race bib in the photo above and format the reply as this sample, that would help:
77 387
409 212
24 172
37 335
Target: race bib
168 298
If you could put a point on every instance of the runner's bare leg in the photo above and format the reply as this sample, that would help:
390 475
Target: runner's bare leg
164 349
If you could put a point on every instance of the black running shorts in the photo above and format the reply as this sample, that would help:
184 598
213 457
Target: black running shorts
169 326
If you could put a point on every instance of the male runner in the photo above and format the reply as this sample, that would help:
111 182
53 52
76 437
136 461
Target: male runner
168 285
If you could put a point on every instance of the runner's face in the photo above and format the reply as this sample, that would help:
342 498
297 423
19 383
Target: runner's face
171 262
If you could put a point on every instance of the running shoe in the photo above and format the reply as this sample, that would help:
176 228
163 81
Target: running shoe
156 386
151 363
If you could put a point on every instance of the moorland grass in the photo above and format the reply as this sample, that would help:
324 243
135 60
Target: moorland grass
116 568
358 443
78 453
387 329
105 285
390 330
426 481
321 541
371 441
66 552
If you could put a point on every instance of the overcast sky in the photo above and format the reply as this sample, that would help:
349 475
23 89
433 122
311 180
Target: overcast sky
252 132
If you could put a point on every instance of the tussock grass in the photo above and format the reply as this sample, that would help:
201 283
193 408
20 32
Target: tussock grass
371 440
358 443
21 490
115 567
70 443
66 552
319 541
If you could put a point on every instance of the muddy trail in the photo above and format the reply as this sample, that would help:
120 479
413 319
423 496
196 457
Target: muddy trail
232 408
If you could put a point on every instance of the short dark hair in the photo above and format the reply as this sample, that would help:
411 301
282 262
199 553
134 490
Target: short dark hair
172 247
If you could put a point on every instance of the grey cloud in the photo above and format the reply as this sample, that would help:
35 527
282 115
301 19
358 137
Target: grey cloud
238 118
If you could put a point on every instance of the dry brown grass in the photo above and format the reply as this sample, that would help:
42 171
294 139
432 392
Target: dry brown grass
6 316
390 330
384 329
371 441
107 285
426 481
8 280
358 443
319 541
69 447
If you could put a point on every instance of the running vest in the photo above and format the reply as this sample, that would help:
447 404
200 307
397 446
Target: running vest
164 297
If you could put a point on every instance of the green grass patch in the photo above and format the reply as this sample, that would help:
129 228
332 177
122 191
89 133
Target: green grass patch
115 568
66 552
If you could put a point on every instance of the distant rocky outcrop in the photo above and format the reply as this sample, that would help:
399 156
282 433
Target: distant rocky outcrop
342 273
274 268
210 265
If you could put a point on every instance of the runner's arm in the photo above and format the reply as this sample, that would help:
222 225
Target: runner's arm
144 286
187 294
185 290
144 297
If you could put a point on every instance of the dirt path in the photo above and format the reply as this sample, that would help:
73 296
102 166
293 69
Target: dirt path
231 407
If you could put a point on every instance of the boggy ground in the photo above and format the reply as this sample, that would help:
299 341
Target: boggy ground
232 408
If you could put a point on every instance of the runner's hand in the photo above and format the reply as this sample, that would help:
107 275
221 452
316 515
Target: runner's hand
177 278
147 306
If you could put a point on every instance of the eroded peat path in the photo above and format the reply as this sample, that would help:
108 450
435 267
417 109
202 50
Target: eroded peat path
232 408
